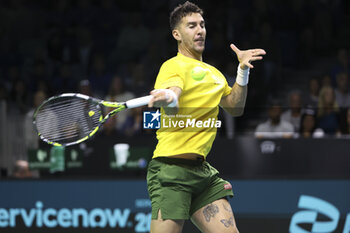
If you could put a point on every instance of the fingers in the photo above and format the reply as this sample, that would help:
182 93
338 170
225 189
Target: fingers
151 103
252 55
256 58
248 64
234 48
258 52
159 99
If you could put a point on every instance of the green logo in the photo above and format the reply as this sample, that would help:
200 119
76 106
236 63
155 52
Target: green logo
41 155
198 73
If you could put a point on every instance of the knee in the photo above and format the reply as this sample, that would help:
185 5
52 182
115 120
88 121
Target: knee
231 229
235 230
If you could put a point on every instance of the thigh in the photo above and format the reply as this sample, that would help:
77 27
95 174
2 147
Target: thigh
215 217
170 226
213 190
168 191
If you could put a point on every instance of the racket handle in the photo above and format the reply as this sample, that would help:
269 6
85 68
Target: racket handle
134 103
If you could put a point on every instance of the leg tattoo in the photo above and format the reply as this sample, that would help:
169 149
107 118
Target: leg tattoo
227 222
210 211
227 208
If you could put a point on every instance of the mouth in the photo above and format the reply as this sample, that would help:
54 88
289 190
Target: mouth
200 39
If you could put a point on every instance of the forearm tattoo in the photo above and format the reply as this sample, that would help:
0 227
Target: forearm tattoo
227 222
210 211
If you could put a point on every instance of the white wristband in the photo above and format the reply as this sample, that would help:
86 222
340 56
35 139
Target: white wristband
242 77
169 93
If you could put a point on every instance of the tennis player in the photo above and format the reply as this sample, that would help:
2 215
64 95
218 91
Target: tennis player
181 184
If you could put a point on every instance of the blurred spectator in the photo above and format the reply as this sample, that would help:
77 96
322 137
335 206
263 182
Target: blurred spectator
134 37
9 54
21 170
308 126
86 49
133 124
342 63
65 80
271 66
293 114
160 33
13 73
326 81
311 96
274 127
152 60
109 129
99 76
328 109
345 122
19 98
118 93
85 88
38 74
31 138
44 87
97 162
137 80
342 94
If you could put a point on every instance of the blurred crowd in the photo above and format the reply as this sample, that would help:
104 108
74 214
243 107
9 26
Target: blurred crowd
114 49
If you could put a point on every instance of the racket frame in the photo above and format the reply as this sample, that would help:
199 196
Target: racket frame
118 107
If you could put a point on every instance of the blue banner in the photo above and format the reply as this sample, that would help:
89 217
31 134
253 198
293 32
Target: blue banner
107 205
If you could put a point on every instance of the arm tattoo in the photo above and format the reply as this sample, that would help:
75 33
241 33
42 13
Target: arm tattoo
210 211
227 208
227 222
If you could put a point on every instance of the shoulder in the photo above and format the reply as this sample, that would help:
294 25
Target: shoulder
170 65
287 113
286 125
264 126
172 61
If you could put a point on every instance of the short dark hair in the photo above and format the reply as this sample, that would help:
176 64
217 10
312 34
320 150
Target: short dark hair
181 11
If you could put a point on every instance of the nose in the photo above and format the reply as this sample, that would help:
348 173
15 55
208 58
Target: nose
200 30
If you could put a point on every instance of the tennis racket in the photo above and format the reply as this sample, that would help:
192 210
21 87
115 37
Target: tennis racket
71 118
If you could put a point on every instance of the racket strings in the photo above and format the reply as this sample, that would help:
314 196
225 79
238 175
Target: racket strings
67 120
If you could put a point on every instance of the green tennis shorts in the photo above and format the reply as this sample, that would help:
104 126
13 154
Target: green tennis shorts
180 187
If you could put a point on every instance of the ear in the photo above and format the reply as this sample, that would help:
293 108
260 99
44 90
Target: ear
176 34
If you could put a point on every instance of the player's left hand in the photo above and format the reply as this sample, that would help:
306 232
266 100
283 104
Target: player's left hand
245 57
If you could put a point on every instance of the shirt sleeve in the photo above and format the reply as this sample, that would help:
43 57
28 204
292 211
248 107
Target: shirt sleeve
227 89
168 76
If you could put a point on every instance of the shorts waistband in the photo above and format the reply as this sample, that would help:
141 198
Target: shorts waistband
167 160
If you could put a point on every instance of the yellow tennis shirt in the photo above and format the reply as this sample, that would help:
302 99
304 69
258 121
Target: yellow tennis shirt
193 128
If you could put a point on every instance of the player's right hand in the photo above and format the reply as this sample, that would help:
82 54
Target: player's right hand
160 98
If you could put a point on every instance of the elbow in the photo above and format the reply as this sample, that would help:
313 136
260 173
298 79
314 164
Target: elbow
239 113
236 112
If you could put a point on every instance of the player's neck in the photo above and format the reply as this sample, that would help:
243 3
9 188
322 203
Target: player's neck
186 52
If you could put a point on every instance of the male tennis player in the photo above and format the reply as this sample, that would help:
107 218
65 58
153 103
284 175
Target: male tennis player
181 184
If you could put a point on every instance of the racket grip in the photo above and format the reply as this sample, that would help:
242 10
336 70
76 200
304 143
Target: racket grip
134 103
